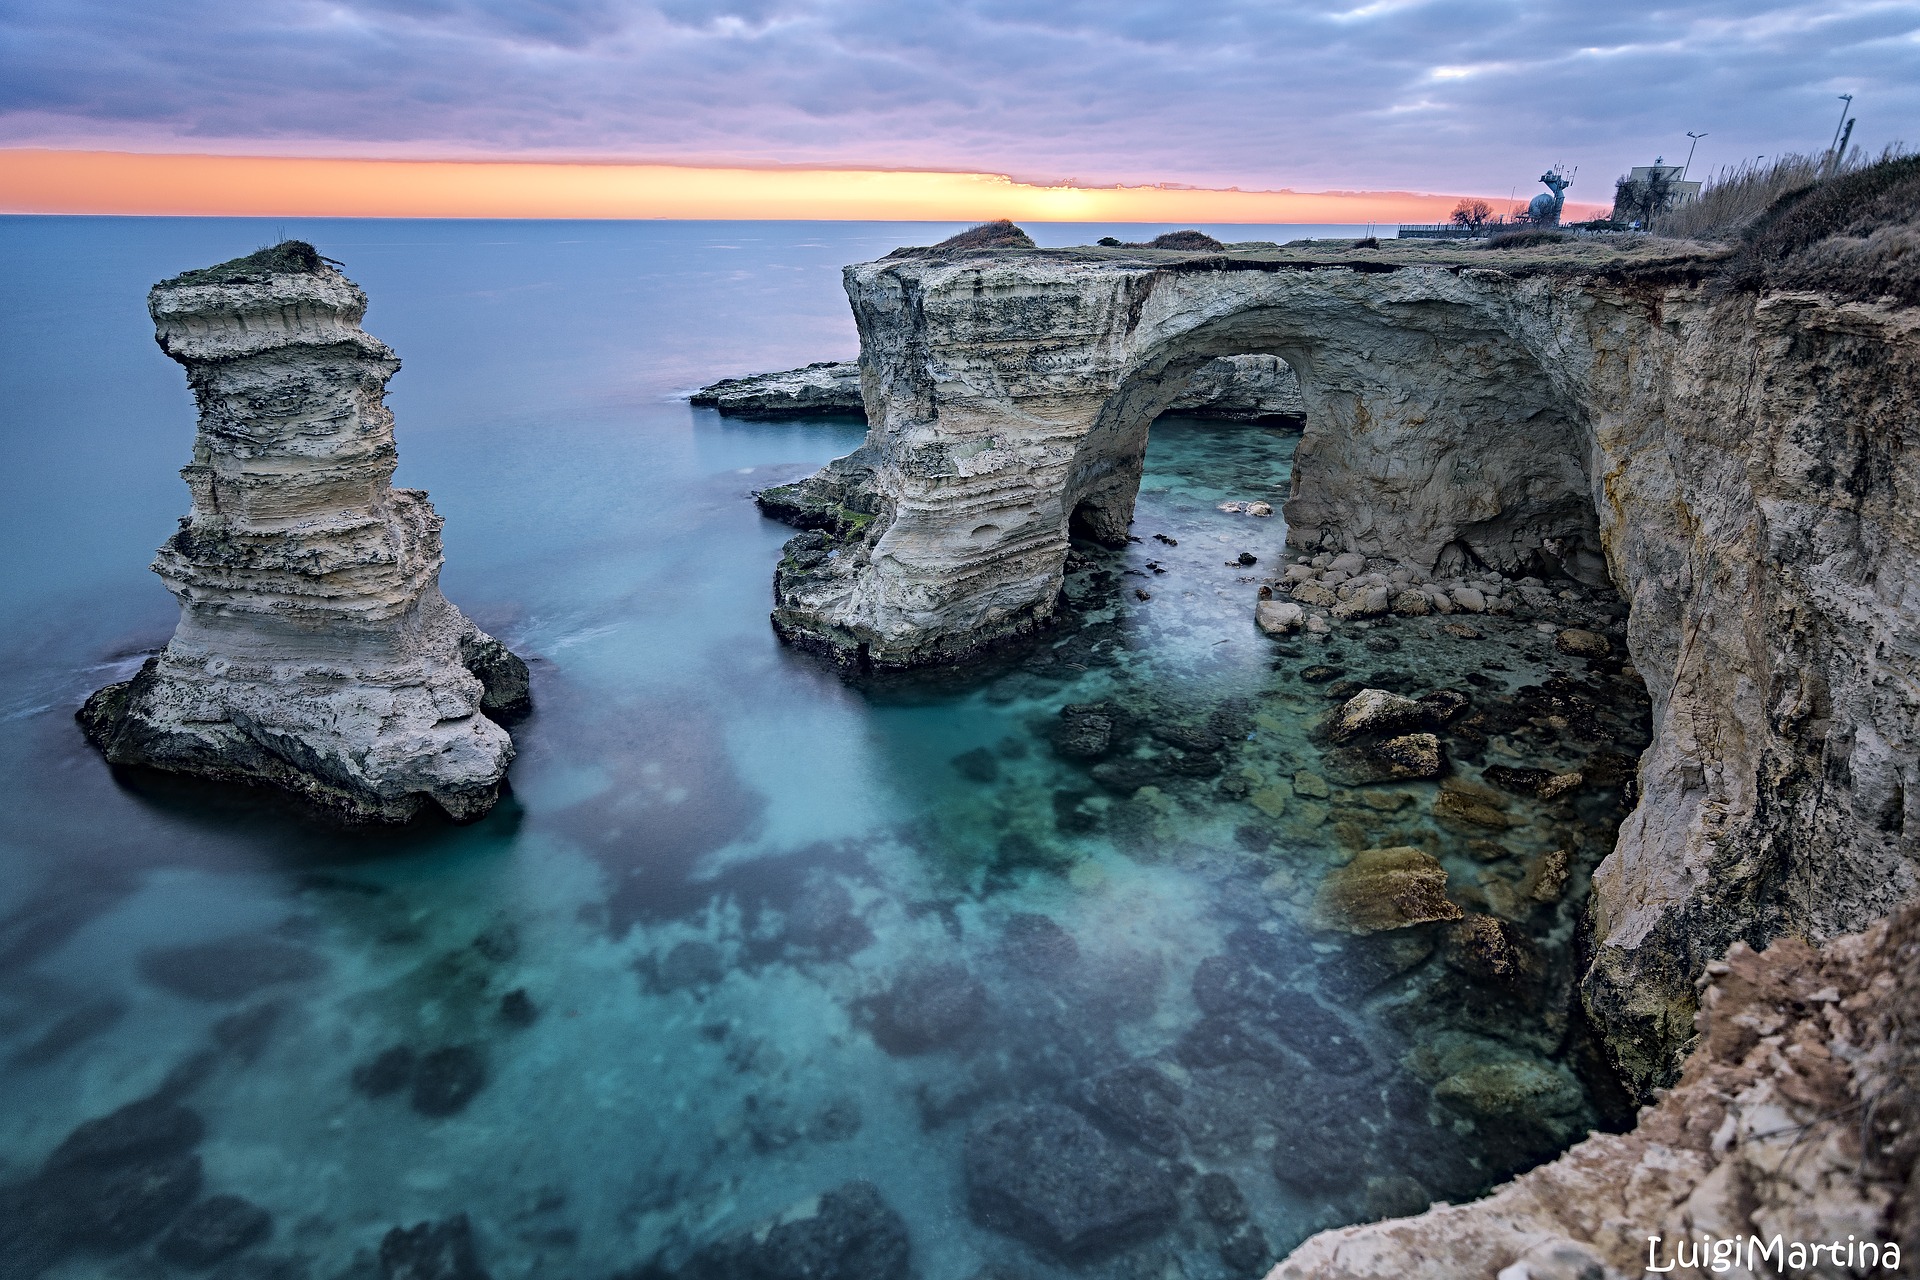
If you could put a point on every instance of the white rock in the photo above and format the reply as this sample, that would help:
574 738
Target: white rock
1279 617
1351 563
314 650
1469 599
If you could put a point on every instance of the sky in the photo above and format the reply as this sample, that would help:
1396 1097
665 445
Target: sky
1448 96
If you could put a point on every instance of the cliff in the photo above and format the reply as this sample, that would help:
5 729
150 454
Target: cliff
1798 1116
314 651
1737 461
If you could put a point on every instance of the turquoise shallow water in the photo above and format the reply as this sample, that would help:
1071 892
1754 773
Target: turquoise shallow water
771 931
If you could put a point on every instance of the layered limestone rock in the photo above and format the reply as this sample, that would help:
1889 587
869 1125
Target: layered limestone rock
1235 388
826 386
314 650
1738 463
1797 1117
1242 389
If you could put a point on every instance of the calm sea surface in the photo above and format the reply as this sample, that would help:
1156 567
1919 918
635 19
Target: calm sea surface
760 932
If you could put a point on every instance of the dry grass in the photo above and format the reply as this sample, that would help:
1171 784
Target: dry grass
289 257
990 235
1855 234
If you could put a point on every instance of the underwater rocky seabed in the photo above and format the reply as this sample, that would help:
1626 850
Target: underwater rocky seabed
745 934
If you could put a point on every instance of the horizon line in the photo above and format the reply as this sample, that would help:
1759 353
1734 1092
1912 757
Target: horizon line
46 180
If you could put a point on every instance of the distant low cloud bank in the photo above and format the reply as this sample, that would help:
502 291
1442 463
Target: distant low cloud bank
38 180
1470 95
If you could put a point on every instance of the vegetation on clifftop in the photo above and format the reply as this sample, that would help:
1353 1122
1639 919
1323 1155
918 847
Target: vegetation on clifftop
288 258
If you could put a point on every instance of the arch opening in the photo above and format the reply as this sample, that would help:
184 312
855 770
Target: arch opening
1430 438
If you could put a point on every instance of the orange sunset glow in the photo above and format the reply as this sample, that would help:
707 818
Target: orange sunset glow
110 182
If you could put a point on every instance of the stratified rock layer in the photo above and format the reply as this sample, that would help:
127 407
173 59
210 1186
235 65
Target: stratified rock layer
314 650
1237 388
1739 464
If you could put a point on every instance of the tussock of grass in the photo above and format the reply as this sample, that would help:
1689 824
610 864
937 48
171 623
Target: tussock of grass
288 258
990 235
1526 239
1188 239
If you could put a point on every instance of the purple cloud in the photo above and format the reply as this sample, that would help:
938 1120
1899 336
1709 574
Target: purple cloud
1448 95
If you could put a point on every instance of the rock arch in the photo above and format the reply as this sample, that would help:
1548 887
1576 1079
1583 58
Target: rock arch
1016 393
1740 464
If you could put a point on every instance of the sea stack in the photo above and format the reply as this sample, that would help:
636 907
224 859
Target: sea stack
315 652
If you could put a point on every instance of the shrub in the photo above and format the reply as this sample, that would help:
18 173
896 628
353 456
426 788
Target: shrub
1184 240
1856 234
990 235
1526 238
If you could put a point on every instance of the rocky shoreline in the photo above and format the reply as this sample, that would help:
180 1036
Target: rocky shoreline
1484 439
315 653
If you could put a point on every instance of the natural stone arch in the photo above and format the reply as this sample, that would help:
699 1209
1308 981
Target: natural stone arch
1748 459
1433 438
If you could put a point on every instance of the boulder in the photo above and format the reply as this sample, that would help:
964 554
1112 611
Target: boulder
1384 889
1376 711
1369 602
1576 642
1044 1175
1312 593
1412 603
1350 563
1468 599
1279 618
1412 755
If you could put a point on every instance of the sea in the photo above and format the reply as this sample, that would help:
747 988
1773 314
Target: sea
746 931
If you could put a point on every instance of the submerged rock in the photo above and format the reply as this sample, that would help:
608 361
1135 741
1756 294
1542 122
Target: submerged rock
213 1230
229 968
1138 1104
315 652
446 1079
1045 1175
849 1233
149 1127
928 1008
431 1251
1037 944
1384 889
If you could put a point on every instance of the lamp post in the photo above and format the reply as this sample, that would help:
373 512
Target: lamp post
1846 104
1696 142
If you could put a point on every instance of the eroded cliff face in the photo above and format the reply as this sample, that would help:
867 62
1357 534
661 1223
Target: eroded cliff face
1739 465
1796 1118
314 650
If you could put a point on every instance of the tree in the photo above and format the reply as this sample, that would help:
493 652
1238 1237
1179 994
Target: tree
1471 214
1641 200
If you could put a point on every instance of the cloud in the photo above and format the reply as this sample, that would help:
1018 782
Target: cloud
1425 94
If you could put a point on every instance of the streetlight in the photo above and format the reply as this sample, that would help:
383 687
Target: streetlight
1846 104
1696 142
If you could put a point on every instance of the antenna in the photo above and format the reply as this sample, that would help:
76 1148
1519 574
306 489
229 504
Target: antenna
1696 142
